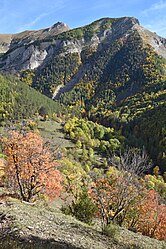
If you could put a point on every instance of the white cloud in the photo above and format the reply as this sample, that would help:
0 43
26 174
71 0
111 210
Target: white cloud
158 27
155 18
156 7
33 22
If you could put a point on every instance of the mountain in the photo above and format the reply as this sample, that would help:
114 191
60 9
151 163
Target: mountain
62 56
97 96
112 71
19 48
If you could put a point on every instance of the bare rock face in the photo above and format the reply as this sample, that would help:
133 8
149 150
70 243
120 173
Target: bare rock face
20 52
5 40
33 49
22 58
149 38
58 28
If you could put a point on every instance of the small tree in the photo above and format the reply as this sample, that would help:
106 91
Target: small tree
152 217
133 160
30 167
156 171
84 209
74 178
117 194
43 111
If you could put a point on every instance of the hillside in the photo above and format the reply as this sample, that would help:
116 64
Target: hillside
83 134
47 227
19 101
59 55
112 71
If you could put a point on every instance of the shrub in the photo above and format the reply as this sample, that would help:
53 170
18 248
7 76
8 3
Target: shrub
66 209
83 209
111 230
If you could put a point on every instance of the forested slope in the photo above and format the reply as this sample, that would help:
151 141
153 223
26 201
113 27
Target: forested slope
19 101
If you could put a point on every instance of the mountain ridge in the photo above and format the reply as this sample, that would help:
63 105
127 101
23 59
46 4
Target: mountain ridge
8 41
104 124
53 35
112 71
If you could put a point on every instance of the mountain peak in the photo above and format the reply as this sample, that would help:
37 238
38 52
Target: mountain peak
31 49
133 20
60 26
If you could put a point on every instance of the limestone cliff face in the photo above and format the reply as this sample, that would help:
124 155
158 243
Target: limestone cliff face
24 58
5 41
20 52
62 56
158 43
31 49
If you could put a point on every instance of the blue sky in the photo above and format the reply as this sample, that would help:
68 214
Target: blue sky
19 15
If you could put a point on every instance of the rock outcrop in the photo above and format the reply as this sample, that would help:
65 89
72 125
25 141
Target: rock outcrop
44 49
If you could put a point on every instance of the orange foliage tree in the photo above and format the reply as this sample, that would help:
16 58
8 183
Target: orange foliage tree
115 196
152 217
129 204
31 168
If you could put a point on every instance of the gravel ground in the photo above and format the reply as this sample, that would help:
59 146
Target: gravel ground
47 227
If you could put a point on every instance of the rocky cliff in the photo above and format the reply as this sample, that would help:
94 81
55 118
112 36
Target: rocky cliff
5 40
59 56
19 51
32 47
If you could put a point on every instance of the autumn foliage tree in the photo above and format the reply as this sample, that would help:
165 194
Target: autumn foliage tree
115 197
120 190
129 204
152 217
31 169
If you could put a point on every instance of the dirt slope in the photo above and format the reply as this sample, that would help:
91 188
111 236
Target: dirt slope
38 226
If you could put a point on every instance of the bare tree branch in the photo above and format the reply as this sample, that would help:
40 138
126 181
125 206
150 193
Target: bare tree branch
133 160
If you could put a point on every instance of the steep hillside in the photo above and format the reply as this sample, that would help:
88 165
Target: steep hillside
47 227
65 58
89 107
112 71
17 100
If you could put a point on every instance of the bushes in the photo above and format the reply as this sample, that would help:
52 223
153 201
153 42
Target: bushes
90 134
84 209
111 230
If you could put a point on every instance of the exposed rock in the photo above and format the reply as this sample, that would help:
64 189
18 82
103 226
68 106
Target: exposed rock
5 40
8 41
158 43
37 49
29 49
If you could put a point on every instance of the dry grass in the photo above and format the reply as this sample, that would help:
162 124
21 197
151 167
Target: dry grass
42 226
